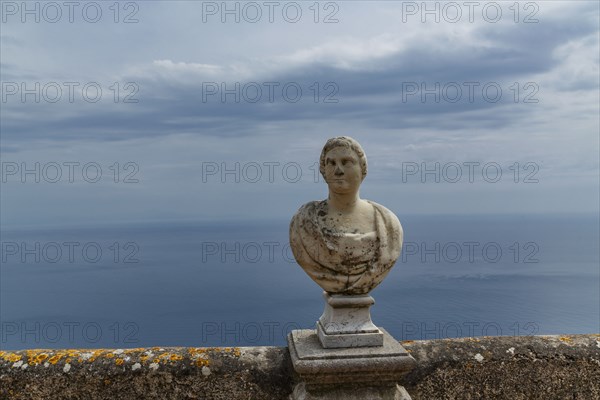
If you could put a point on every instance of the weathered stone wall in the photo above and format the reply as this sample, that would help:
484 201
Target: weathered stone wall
515 368
539 367
150 373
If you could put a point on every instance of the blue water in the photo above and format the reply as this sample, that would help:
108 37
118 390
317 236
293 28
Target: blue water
187 284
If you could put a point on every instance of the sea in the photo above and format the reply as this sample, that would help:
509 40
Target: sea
124 285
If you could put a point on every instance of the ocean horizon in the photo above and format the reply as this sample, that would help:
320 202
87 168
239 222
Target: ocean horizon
233 283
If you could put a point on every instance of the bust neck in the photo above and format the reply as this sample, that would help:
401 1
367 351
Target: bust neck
343 203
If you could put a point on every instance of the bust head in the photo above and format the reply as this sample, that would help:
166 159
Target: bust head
347 143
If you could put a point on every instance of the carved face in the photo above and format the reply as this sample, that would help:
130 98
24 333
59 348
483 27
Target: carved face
342 170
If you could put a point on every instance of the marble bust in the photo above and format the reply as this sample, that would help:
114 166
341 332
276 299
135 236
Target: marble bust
347 245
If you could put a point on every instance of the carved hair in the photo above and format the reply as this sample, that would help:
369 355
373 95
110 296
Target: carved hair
348 142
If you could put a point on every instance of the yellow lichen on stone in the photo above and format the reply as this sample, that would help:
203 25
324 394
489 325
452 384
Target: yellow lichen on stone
31 354
167 357
95 355
565 339
202 362
196 351
35 357
12 357
119 361
199 355
136 350
55 358
58 355
40 358
232 350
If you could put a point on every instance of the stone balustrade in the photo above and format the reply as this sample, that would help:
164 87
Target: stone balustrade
526 367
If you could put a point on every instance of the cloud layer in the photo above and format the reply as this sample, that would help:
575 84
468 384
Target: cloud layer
177 92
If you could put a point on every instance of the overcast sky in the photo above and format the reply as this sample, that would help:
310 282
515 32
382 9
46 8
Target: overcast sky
171 94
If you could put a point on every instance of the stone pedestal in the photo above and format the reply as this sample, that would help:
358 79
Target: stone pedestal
359 373
346 322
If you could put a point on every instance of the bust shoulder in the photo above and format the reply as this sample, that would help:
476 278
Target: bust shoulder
310 209
390 219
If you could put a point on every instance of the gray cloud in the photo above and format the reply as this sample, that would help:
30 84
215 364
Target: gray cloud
369 56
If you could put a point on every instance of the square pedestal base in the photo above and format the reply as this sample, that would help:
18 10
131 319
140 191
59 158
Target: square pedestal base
344 340
346 322
357 373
